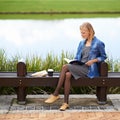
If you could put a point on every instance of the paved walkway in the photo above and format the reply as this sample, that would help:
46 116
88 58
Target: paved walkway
82 107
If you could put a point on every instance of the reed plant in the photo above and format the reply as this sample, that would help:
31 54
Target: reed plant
37 63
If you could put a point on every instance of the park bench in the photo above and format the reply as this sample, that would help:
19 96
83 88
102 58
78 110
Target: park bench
21 80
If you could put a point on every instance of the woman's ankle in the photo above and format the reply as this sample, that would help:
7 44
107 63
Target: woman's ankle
55 94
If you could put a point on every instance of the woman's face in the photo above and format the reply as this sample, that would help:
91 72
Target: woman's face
84 33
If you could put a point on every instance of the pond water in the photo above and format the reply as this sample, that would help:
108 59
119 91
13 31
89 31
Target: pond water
39 37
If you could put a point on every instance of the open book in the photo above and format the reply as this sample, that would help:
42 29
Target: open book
74 61
42 73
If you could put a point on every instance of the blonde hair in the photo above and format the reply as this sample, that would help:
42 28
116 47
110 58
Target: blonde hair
89 27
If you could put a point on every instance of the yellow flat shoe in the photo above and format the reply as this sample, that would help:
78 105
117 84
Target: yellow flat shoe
52 99
64 107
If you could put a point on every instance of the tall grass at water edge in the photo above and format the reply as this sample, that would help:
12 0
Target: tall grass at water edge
37 63
34 63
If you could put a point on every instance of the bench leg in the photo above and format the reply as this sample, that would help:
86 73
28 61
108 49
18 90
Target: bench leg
101 93
21 95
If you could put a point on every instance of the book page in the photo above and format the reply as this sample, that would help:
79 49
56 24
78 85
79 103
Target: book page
67 60
74 61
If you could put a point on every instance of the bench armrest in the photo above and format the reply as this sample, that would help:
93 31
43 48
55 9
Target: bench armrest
21 69
103 68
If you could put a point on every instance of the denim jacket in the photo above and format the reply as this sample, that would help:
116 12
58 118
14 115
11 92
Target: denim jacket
97 50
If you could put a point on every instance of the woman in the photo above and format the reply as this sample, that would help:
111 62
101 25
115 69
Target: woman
91 51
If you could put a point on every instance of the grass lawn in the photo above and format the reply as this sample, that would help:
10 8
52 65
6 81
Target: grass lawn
58 6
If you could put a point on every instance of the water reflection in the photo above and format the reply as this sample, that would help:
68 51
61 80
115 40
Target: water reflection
42 36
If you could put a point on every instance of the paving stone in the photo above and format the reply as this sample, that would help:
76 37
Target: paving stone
77 102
